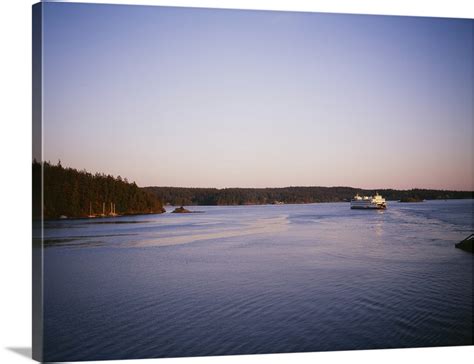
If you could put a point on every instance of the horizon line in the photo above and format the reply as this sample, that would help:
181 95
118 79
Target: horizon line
313 186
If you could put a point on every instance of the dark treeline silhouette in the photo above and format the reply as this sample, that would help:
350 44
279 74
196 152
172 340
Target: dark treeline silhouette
256 196
75 193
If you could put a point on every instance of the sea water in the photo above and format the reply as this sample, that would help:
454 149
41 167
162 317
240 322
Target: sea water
258 279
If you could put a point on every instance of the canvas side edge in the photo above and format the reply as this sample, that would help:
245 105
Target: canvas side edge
37 183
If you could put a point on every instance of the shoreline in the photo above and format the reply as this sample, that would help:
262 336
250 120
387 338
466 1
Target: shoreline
311 203
100 217
233 205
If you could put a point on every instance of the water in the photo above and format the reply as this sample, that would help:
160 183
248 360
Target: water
258 279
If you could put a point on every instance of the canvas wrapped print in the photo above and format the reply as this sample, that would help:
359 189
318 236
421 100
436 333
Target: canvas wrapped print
221 182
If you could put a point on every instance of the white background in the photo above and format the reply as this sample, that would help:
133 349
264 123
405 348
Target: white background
15 177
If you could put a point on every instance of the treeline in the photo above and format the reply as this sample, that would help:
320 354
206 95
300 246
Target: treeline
257 196
73 193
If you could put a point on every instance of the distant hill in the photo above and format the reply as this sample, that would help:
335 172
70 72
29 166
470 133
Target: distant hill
74 193
182 196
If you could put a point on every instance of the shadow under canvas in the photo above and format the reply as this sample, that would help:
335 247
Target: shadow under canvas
26 352
22 350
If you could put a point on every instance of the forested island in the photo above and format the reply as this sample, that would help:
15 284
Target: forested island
180 196
71 193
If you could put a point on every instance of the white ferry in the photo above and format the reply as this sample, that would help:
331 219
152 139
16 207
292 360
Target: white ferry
368 202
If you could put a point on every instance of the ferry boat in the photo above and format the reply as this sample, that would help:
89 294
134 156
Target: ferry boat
368 202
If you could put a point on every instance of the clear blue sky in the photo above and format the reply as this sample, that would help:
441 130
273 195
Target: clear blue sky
220 98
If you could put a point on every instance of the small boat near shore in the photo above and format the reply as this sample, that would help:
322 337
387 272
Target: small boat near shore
376 202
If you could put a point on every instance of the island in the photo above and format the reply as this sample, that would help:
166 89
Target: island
181 210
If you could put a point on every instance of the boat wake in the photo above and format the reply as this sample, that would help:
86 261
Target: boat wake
272 225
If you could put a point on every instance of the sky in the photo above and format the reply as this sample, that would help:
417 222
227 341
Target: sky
235 98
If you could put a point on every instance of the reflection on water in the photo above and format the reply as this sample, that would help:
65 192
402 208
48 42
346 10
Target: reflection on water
258 279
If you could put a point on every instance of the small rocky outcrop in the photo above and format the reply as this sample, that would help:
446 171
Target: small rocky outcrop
181 210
